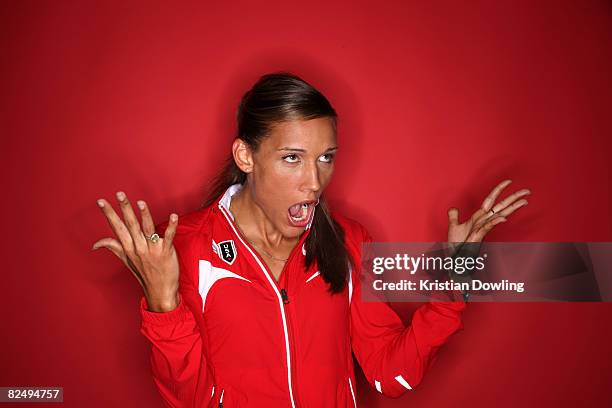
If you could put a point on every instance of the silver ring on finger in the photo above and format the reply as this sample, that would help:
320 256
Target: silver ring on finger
153 238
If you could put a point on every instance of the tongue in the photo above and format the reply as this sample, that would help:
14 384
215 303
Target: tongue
295 210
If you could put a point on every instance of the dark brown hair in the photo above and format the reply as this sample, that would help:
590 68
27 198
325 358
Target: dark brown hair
278 97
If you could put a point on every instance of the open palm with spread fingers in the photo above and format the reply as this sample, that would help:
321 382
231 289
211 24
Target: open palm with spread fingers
150 258
486 217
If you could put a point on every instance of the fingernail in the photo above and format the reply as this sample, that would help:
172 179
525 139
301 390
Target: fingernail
173 217
120 195
141 204
94 247
100 203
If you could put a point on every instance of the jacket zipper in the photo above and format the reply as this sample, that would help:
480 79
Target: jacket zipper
352 392
280 293
285 297
221 398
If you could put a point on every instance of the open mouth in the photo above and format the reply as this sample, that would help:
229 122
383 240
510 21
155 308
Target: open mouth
301 213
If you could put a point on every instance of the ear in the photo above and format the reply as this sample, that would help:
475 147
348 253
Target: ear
243 156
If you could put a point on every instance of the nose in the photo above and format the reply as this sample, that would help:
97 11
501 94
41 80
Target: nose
311 178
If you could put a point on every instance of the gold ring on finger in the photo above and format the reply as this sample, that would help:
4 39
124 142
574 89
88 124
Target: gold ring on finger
153 238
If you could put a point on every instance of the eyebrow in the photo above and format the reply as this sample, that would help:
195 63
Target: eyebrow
295 149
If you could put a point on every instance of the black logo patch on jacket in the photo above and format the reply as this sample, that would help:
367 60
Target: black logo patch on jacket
228 251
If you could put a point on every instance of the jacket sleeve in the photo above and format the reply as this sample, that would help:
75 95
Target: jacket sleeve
178 364
176 352
394 358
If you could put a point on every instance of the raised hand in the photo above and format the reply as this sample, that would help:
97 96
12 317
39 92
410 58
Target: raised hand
486 217
150 258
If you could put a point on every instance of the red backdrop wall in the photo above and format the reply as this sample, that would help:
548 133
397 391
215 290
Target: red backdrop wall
438 101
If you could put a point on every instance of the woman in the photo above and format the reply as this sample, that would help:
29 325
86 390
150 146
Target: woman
266 309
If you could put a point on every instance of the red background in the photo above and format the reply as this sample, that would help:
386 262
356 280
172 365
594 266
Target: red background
438 101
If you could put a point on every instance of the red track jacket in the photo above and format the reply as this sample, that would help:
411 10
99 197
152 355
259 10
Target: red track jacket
238 338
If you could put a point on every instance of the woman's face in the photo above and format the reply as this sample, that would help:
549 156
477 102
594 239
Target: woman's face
291 168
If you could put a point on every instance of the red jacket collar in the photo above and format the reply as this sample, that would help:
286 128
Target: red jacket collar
222 204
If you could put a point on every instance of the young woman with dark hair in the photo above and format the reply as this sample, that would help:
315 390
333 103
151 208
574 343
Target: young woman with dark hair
255 298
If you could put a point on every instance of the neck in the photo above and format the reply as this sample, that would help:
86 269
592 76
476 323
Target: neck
256 226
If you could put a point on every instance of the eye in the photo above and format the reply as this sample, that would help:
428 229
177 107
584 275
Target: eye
293 158
330 157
